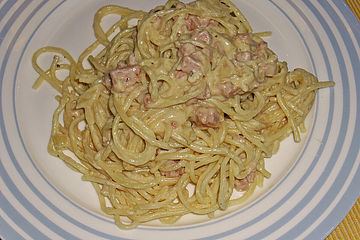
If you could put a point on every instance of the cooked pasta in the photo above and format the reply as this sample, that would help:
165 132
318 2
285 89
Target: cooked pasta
174 114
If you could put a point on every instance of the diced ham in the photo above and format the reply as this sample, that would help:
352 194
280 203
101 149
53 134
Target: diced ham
194 22
261 49
191 22
170 164
243 36
180 75
174 173
204 22
147 100
262 45
268 69
243 184
207 117
243 56
228 89
186 49
205 95
190 64
124 77
203 36
174 124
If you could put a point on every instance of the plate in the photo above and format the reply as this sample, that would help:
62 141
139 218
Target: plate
313 184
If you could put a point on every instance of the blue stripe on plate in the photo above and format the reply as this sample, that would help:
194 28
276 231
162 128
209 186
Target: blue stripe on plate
35 211
349 161
352 191
352 153
13 188
11 212
6 231
4 9
310 218
17 218
12 19
351 19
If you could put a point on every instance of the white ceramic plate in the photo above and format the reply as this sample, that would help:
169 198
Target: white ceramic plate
314 183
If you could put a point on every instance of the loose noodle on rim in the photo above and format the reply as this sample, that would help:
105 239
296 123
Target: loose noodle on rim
176 112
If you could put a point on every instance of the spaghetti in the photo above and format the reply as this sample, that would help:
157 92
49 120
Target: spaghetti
176 112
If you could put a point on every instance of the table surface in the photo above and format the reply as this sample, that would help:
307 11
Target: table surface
349 228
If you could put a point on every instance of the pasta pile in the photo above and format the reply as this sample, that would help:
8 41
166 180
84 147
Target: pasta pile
175 113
